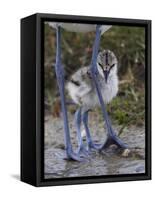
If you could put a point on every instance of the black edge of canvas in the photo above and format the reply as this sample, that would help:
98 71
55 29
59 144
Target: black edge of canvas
148 102
28 100
31 90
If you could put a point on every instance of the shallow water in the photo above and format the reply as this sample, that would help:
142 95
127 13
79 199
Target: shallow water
113 161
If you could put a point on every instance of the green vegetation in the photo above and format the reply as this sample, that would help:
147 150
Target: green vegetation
128 108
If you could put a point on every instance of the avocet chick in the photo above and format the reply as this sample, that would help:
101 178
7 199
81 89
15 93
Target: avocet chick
81 87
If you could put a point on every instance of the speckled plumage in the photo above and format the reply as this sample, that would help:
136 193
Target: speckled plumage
81 87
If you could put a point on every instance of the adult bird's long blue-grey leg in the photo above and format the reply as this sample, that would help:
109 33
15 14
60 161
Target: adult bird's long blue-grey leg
90 142
60 80
112 138
81 148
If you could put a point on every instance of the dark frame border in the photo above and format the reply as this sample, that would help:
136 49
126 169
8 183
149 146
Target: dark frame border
41 18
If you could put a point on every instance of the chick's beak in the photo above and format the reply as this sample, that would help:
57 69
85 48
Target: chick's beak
106 74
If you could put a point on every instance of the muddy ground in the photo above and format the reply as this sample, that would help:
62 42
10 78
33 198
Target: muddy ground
113 161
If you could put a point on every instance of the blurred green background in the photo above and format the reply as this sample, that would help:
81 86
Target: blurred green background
128 43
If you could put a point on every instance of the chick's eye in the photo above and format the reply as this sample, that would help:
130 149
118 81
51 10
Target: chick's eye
112 66
100 64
